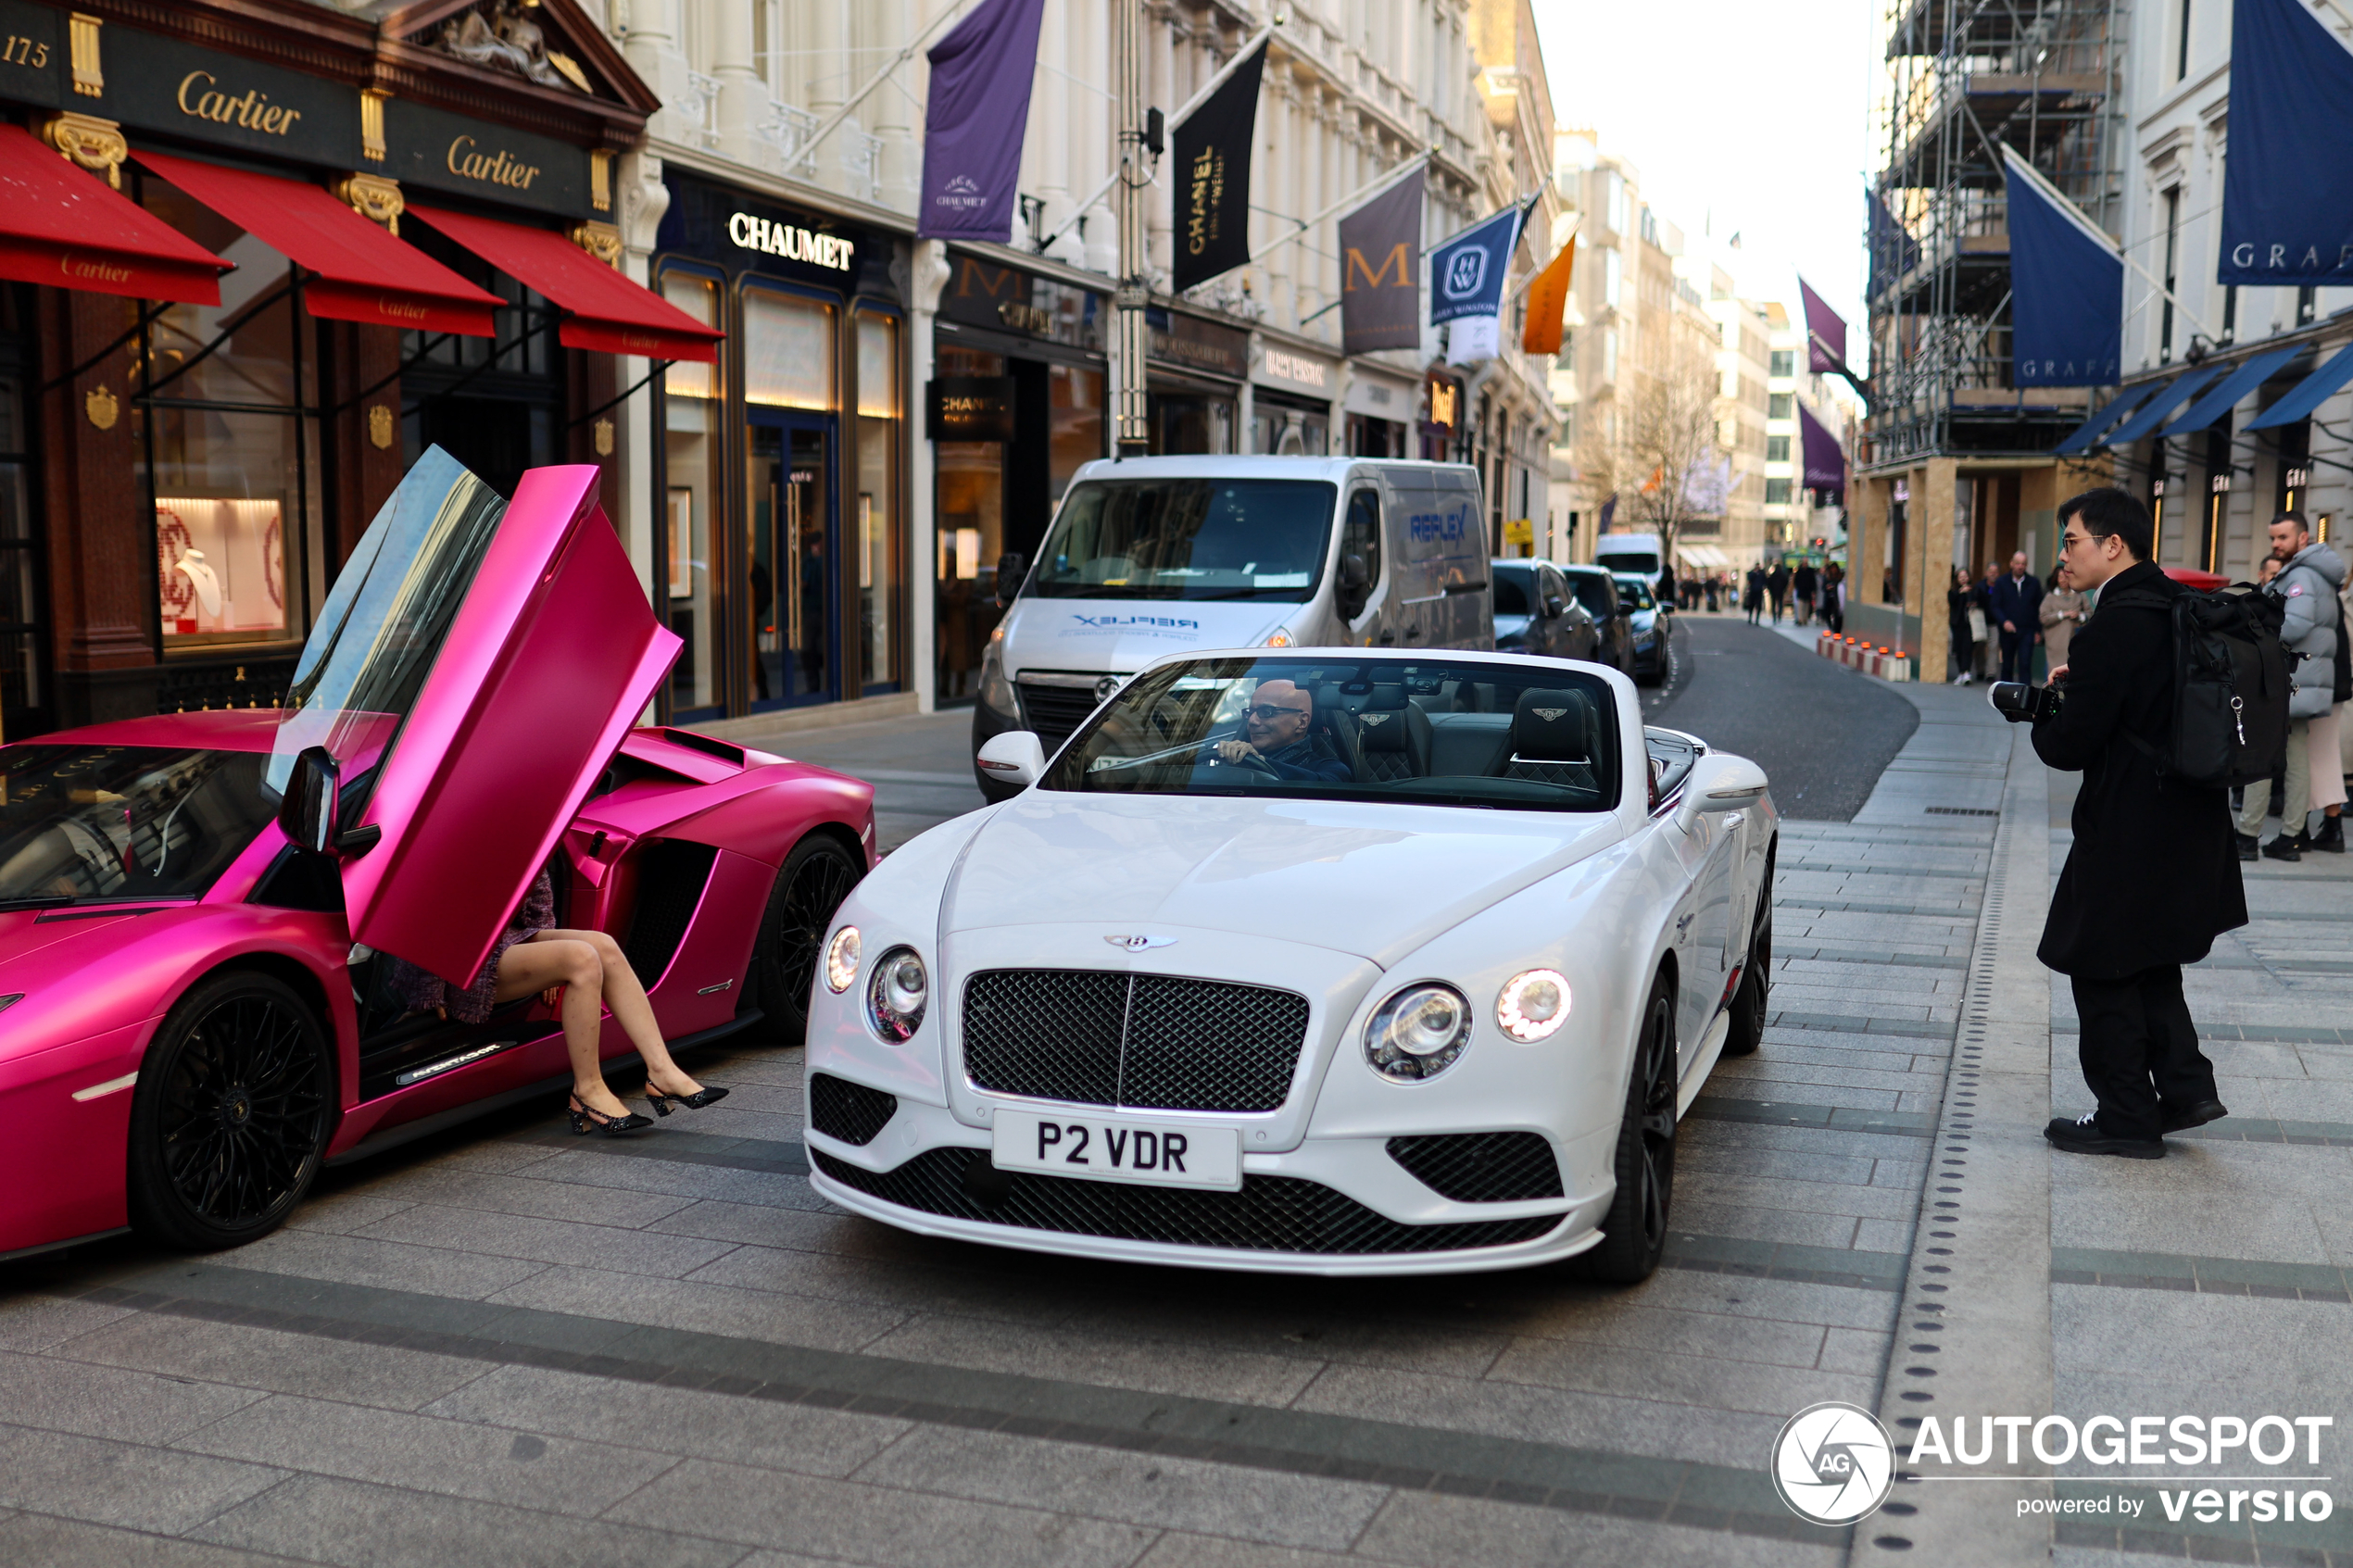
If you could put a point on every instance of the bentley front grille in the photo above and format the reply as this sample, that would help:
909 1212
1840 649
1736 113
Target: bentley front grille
1149 1042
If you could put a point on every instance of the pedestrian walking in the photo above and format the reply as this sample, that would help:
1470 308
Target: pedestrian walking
2062 611
1804 584
1988 646
1753 598
2309 577
1715 589
1664 588
2018 603
1834 598
1965 622
2150 880
1776 589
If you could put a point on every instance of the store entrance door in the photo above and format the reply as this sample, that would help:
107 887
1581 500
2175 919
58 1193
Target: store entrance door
791 559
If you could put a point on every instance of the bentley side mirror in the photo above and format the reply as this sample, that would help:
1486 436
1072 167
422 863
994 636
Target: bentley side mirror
1016 757
313 794
1010 569
1719 783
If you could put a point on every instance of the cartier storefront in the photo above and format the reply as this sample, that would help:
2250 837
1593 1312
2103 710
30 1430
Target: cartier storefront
241 288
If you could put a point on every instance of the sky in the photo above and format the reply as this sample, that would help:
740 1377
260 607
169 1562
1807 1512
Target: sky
1747 115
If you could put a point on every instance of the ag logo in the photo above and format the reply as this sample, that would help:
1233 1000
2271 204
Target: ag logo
1466 269
1833 1462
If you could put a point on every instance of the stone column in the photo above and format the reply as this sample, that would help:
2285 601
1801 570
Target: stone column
743 96
639 198
923 523
1052 163
655 54
831 71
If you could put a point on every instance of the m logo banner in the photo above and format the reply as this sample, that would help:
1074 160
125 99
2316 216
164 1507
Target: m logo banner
1211 173
1380 244
974 123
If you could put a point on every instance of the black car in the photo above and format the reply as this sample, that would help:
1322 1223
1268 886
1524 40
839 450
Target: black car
1596 589
1535 611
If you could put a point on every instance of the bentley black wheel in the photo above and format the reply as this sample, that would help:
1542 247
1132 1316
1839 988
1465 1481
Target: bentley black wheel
231 1115
1754 996
1634 1231
811 883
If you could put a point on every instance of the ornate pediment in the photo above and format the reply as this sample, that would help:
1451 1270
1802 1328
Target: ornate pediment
549 43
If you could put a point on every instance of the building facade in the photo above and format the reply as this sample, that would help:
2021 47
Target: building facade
833 544
188 462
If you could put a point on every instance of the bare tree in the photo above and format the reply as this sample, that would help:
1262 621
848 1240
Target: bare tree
1661 454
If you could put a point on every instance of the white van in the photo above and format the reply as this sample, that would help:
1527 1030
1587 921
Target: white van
1148 556
1638 553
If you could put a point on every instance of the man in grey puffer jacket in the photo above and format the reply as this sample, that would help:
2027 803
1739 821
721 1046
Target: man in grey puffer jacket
2309 577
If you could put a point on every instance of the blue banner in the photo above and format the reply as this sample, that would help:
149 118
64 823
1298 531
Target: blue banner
1467 273
2287 194
2067 288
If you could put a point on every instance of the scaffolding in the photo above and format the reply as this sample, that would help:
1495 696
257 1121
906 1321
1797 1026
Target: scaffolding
1965 77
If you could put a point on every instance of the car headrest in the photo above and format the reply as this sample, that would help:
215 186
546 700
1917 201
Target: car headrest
1393 729
1386 697
1553 726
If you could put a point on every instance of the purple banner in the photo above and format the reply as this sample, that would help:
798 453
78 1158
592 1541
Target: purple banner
1825 461
1825 333
976 120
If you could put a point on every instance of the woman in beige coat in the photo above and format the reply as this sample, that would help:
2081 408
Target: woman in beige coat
2062 612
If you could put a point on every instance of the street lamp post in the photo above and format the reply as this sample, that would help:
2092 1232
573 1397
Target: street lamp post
1134 290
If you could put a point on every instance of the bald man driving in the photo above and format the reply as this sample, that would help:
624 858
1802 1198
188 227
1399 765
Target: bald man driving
1276 737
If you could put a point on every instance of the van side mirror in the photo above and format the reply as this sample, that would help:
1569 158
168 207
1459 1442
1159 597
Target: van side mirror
1010 569
313 794
1016 757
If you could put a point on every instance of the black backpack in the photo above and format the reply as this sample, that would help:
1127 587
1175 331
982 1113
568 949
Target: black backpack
2229 684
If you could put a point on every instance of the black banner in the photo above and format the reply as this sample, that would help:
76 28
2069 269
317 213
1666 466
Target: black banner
970 408
1212 176
1381 281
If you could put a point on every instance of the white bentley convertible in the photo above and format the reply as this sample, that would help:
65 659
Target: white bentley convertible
1341 962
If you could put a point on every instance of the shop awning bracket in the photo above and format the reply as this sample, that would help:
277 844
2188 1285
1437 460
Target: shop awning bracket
147 317
496 354
660 366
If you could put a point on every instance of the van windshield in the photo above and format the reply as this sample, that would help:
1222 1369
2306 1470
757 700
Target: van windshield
1188 538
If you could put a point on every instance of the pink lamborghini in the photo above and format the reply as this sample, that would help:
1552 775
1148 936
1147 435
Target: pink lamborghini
193 1012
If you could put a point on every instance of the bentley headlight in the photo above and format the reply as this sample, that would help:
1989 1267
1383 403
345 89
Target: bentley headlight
1533 1005
896 996
841 960
1418 1033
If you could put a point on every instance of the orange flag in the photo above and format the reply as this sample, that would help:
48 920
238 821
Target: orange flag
1547 300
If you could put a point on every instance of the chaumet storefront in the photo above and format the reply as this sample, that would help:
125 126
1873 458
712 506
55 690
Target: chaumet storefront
238 298
1015 406
780 501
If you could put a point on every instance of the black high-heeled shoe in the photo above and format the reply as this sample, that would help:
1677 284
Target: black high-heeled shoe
663 1104
585 1121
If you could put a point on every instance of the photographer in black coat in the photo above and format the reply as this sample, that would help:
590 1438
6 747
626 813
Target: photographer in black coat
2154 875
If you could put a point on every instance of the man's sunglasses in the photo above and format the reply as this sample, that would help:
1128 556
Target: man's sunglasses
1266 712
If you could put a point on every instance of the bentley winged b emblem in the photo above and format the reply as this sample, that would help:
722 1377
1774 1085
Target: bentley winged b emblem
1372 719
1140 942
1550 715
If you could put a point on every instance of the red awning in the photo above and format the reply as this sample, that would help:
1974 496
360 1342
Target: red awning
65 227
603 310
360 273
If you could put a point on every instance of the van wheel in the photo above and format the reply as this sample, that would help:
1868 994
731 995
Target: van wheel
231 1115
811 885
1634 1231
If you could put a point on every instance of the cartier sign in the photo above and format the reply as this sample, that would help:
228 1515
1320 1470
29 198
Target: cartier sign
201 95
469 159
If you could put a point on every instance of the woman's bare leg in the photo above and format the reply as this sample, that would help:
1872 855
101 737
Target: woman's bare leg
621 992
541 963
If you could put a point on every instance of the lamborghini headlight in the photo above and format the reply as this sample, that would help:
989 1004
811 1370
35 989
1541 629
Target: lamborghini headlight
1533 1005
1418 1033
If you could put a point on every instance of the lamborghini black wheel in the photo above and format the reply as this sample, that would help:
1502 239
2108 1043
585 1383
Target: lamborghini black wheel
231 1115
811 885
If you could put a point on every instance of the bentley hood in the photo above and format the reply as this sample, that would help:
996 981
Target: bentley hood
1374 880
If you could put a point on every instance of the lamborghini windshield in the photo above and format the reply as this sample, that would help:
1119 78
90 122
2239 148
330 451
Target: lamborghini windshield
1530 737
385 619
1171 538
93 823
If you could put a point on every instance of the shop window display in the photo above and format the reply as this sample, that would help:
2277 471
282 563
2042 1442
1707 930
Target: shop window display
971 537
691 405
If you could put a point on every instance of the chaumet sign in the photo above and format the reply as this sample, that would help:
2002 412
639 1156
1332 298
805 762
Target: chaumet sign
792 243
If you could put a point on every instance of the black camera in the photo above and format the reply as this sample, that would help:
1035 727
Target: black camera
2022 704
